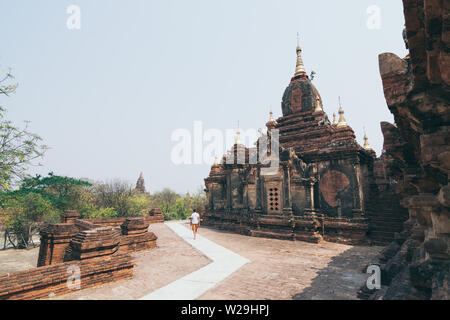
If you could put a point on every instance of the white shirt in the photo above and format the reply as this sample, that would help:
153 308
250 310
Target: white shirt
195 218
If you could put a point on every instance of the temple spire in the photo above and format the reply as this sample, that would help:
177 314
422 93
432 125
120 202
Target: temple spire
140 184
342 122
366 143
238 135
300 67
366 146
272 123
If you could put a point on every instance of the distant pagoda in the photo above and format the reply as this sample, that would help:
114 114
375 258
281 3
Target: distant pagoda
140 184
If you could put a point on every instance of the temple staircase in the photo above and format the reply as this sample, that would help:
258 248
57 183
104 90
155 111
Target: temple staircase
386 217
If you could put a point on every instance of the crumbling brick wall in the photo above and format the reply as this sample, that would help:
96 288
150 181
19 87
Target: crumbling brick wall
99 251
40 283
154 216
417 91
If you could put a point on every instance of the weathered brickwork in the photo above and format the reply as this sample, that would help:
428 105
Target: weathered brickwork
99 249
154 216
95 243
55 241
417 155
56 279
135 235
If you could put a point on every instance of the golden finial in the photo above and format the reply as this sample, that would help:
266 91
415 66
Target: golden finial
238 135
366 143
342 122
334 119
216 161
272 123
299 68
366 146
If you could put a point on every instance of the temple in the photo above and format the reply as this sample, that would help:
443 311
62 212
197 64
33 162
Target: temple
321 187
140 184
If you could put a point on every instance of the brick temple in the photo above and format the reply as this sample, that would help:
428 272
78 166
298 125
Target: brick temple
323 186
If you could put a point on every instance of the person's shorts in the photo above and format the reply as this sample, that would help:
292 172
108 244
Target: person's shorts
194 227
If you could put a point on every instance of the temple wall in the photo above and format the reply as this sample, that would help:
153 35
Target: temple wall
289 194
252 196
299 198
338 188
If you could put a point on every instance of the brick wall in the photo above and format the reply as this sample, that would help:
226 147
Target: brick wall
99 247
134 243
41 282
117 222
55 240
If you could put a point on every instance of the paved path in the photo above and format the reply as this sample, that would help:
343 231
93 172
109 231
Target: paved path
192 286
172 259
276 269
285 270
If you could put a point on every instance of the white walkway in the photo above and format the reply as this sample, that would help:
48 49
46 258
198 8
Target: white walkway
192 286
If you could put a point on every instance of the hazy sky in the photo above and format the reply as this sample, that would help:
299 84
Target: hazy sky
107 97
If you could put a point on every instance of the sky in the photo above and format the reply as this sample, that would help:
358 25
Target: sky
107 97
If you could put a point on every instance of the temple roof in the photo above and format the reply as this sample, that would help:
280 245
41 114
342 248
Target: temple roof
301 95
305 126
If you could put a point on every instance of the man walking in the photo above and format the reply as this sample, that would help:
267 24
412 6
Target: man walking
195 222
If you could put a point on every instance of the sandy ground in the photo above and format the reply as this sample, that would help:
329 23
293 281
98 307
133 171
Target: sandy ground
12 260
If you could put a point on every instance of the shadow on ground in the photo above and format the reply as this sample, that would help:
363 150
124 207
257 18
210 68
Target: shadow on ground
342 278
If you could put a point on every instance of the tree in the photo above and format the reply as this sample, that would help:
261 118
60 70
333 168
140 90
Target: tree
175 206
18 147
65 193
197 201
121 196
181 209
23 215
166 200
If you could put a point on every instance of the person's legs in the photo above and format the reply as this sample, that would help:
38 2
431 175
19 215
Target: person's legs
194 229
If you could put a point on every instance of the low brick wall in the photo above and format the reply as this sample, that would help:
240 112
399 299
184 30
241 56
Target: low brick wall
55 240
117 222
85 225
40 282
99 247
134 243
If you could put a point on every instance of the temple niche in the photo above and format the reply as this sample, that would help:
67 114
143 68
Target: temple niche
320 188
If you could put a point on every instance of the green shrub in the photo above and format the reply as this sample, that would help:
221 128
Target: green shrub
23 215
101 213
